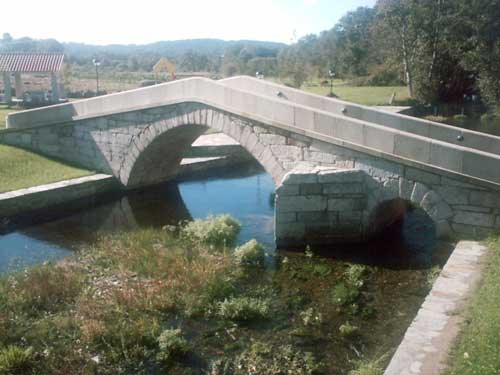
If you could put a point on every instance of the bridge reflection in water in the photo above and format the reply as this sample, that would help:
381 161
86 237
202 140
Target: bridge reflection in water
246 193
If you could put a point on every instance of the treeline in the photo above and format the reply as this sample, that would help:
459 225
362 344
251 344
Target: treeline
214 55
444 51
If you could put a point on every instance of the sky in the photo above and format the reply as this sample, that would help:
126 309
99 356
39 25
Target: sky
145 21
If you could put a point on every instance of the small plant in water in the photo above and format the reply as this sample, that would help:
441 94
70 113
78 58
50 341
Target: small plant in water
214 230
250 254
243 309
344 294
348 330
311 318
171 345
16 361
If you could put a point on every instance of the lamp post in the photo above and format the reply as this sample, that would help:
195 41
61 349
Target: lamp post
331 74
96 64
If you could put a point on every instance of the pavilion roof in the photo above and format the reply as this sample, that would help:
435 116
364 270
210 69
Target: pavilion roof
31 62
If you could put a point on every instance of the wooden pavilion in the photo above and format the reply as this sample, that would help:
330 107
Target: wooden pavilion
18 63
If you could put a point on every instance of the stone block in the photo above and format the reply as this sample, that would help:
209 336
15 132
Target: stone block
272 139
284 190
350 131
339 189
453 194
310 189
380 139
472 208
422 176
319 217
304 118
300 177
319 157
325 124
484 199
290 230
286 217
446 157
405 188
413 148
301 203
346 204
435 206
341 176
390 189
418 193
474 219
380 168
285 152
443 229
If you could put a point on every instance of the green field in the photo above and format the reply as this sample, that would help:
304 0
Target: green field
366 95
20 169
4 111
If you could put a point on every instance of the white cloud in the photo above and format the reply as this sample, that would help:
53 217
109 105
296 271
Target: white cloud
310 2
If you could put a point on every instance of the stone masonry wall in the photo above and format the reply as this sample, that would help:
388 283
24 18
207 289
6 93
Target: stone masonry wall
145 146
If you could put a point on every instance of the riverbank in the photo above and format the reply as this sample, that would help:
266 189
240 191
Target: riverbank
179 299
23 169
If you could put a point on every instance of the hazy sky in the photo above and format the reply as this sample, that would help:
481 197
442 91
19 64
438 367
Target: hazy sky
145 21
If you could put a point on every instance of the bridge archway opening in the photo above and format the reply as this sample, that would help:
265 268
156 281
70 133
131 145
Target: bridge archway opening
399 221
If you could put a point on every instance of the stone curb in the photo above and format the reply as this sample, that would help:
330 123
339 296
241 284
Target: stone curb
426 344
39 197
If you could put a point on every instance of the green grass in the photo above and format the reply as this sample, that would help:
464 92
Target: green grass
476 352
365 95
4 111
20 169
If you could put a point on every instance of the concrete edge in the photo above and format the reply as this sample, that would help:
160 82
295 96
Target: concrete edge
42 196
427 342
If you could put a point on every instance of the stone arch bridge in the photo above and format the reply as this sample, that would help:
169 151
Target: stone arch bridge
340 168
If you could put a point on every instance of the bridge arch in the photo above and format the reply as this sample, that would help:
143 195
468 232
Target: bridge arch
155 151
389 202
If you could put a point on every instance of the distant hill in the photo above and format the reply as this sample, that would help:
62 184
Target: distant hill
189 55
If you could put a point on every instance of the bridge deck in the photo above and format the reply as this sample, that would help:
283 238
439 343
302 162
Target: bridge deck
397 137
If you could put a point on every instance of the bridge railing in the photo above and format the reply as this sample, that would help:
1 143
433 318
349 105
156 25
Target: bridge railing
368 137
446 133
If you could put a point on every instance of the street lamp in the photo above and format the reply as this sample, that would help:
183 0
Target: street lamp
331 74
96 64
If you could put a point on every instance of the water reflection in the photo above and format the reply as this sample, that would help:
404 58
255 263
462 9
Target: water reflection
245 193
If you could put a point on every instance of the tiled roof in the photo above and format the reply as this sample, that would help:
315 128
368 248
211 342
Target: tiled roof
31 62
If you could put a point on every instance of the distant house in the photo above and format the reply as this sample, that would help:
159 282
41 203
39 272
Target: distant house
39 63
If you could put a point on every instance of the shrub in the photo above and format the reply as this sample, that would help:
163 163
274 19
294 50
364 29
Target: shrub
171 345
250 254
348 330
310 318
214 230
16 361
355 275
344 294
243 309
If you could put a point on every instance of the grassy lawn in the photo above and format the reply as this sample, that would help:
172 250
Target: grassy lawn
4 111
366 95
21 169
477 350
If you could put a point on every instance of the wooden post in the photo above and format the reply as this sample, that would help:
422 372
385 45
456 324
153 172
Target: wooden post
18 83
7 87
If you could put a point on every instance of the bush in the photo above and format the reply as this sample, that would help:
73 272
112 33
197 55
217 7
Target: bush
250 254
216 231
348 330
344 294
171 345
16 361
243 309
